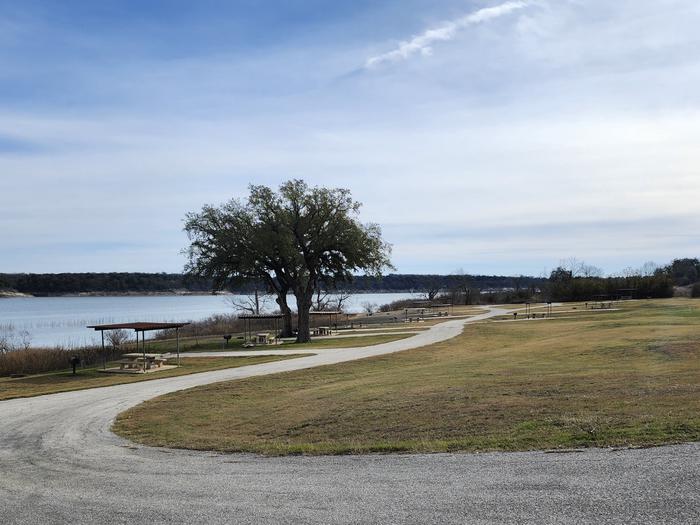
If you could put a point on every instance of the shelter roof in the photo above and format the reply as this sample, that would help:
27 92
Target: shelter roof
138 327
261 316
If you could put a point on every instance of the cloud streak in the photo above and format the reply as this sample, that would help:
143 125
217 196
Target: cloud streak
422 44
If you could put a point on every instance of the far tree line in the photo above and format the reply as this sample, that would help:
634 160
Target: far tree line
568 281
576 281
564 283
47 284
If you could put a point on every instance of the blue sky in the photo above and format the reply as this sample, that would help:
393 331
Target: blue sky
487 136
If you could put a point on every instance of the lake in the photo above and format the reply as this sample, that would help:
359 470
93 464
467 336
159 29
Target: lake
53 321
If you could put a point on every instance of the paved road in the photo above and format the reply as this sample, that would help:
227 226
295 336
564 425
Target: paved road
60 464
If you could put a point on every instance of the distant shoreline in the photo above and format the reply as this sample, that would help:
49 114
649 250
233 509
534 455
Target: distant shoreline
5 294
111 294
12 294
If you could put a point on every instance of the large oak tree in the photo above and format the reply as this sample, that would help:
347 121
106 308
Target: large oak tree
296 240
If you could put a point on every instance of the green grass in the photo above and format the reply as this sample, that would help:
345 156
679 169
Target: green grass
626 378
214 344
52 383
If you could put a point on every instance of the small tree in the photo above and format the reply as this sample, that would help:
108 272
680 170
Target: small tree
433 287
11 340
320 300
254 304
6 338
117 337
369 308
460 288
338 299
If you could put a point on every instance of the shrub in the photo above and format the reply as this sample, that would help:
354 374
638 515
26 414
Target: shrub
695 292
401 304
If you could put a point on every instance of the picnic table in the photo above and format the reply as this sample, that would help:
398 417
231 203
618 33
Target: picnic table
264 338
136 361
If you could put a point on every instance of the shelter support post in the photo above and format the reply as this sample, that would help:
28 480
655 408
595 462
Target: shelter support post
177 344
143 347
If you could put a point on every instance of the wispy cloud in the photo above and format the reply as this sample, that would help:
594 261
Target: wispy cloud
422 44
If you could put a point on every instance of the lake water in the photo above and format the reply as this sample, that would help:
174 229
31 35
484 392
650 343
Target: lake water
62 320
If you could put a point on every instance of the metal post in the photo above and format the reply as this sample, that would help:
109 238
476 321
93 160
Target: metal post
177 344
143 346
104 353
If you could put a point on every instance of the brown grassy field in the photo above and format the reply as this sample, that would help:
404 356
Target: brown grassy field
54 382
623 378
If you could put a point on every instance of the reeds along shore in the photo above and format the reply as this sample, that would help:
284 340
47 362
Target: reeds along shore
40 360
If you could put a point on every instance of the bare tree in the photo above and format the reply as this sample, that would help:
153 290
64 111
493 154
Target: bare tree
648 269
369 308
580 268
320 300
629 272
10 340
588 270
461 287
334 299
117 337
253 304
433 286
338 300
197 330
6 337
25 340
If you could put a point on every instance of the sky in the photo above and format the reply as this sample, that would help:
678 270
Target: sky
490 137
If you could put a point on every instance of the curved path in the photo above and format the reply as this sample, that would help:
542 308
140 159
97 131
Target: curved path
59 463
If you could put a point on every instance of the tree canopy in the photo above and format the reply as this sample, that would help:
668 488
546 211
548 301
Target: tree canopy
293 240
685 271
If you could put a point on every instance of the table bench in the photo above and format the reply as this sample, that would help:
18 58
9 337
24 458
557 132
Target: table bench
135 361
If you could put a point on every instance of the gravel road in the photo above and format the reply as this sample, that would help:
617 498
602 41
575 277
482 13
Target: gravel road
59 463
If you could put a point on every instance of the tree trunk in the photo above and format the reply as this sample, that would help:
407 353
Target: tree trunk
303 325
257 302
286 313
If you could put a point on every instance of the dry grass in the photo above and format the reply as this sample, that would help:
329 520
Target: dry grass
91 377
41 360
615 379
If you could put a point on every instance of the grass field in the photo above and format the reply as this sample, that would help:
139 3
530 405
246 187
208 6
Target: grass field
623 378
91 377
214 344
